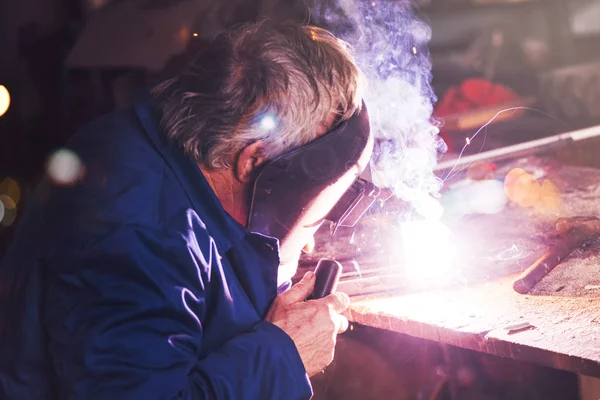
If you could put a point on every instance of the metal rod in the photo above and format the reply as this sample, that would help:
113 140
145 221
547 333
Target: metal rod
522 148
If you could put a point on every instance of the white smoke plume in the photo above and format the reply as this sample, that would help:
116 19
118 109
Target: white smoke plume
390 45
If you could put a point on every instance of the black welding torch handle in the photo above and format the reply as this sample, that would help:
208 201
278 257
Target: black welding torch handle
539 269
327 274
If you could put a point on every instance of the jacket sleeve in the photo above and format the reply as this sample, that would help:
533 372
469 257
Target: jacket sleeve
125 321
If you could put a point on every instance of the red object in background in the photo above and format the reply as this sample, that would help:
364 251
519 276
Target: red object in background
481 170
472 94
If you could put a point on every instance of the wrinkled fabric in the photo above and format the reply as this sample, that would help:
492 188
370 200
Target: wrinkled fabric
136 284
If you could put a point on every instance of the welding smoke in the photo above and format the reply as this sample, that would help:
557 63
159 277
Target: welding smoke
390 45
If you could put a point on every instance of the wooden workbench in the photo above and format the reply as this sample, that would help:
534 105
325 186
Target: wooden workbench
475 311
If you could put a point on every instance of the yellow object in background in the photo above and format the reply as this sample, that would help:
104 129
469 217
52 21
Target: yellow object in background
522 188
11 188
549 197
517 185
4 100
9 208
532 194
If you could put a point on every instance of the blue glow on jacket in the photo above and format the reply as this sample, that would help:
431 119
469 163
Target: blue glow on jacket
136 284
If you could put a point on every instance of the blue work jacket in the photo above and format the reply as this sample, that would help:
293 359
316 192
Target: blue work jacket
135 283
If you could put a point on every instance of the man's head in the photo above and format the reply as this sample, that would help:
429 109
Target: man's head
258 91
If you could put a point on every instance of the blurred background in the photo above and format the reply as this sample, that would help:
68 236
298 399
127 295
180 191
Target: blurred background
64 62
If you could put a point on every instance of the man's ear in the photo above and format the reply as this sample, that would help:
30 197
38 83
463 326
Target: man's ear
250 158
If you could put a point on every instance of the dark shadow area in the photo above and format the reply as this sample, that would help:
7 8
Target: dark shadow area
377 364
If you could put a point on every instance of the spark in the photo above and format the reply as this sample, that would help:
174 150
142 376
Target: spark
356 267
195 34
511 253
468 140
484 128
414 50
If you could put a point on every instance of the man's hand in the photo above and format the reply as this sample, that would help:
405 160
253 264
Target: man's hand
313 325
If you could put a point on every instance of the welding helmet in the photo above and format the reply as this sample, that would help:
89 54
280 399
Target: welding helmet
295 193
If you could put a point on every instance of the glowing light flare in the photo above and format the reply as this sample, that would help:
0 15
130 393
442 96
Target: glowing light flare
524 189
64 167
373 4
414 50
549 199
96 4
9 210
267 122
11 188
195 34
519 186
4 100
529 196
429 252
428 207
474 197
183 35
468 140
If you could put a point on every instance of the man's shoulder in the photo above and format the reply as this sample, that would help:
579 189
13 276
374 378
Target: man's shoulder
122 170
117 138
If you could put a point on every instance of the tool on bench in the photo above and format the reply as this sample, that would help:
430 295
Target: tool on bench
575 232
327 274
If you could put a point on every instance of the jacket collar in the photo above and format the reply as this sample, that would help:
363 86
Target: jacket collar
225 231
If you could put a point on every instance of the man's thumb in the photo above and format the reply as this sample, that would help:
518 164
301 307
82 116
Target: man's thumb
301 290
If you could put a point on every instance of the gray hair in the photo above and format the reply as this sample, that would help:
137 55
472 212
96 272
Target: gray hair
266 81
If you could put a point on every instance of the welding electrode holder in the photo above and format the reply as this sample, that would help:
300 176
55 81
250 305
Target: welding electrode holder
327 274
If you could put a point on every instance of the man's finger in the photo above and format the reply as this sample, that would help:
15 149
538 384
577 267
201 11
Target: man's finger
338 301
342 323
301 290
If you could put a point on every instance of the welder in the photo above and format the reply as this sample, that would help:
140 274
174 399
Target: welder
154 275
